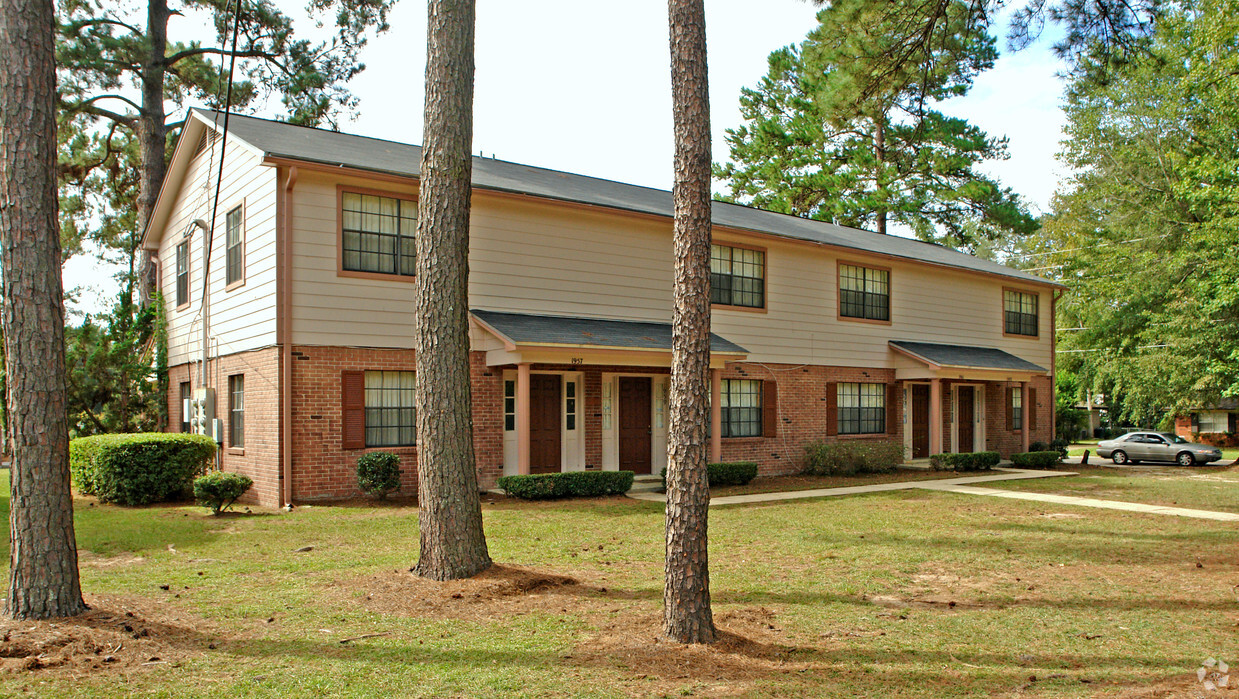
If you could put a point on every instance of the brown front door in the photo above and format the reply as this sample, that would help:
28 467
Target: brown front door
965 416
634 424
920 422
544 423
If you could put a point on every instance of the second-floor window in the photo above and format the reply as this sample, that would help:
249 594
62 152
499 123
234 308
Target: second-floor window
864 293
235 246
378 234
1020 313
737 276
862 408
741 407
182 274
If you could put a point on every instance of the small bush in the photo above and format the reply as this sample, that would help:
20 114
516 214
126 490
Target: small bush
552 486
378 473
849 457
1036 459
1058 445
138 469
976 461
219 490
727 473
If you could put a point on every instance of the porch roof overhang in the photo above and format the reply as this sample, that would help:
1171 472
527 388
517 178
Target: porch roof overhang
544 339
941 361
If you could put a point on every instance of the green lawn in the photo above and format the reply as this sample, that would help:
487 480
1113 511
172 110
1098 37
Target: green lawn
1199 487
836 597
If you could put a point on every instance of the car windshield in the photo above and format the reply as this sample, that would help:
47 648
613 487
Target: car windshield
1174 438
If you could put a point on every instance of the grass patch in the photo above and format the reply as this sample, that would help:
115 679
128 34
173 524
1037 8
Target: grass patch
909 593
1200 487
778 484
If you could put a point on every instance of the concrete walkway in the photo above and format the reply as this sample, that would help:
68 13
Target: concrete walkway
965 485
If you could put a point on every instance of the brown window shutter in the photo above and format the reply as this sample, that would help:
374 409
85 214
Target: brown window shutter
769 409
832 409
353 403
892 398
1011 409
1031 410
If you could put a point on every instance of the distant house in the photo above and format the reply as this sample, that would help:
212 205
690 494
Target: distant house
820 332
1216 424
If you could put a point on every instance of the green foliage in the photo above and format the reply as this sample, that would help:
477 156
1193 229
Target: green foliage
1036 459
1145 231
138 469
849 457
841 127
726 473
378 473
976 461
1058 445
218 490
553 486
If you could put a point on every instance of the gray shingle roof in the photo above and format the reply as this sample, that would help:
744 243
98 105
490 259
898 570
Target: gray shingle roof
279 139
523 328
967 357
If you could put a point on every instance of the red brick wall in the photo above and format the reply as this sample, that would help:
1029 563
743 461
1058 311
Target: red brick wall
259 458
323 470
1007 442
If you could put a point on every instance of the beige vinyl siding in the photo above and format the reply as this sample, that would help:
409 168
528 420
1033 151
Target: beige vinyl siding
535 256
244 317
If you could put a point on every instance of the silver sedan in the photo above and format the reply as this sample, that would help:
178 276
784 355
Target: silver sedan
1134 447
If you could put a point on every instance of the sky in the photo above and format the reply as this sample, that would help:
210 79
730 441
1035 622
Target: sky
585 87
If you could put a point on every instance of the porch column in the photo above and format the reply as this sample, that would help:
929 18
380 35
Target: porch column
935 416
716 415
1024 422
522 418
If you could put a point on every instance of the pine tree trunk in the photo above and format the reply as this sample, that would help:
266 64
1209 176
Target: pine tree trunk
43 580
453 544
686 594
152 136
879 176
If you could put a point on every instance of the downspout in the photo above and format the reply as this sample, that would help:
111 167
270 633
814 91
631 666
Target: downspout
1054 367
284 332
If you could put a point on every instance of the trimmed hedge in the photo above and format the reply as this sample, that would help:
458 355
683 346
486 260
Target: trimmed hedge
553 486
220 489
976 461
727 473
849 457
1059 445
1036 459
378 473
138 469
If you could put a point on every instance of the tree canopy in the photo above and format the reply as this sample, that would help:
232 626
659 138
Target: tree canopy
843 128
1146 230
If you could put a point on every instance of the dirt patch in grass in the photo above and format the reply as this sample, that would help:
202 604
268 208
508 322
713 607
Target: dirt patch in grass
114 636
491 593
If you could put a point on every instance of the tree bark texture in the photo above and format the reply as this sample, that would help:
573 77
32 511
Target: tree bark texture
879 176
686 594
43 580
152 133
453 544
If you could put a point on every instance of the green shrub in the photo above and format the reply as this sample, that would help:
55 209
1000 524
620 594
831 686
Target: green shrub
219 490
552 486
378 473
727 473
1036 459
976 461
138 469
849 457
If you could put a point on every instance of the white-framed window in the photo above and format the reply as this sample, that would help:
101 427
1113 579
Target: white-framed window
236 410
509 405
182 273
1017 408
391 418
1214 421
741 407
737 276
864 293
1020 313
378 234
570 405
861 408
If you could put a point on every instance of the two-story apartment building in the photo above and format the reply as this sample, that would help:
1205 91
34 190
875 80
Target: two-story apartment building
301 320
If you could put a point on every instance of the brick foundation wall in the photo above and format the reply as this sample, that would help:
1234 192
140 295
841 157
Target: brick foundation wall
259 458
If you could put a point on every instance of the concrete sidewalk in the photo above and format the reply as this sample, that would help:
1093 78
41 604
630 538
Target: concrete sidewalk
965 485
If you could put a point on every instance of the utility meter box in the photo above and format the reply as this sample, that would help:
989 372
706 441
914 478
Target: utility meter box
202 411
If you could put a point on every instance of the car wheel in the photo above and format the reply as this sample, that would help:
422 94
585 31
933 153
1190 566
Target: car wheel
1186 459
1119 457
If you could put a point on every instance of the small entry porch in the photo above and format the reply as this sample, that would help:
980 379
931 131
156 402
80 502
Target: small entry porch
947 395
586 393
